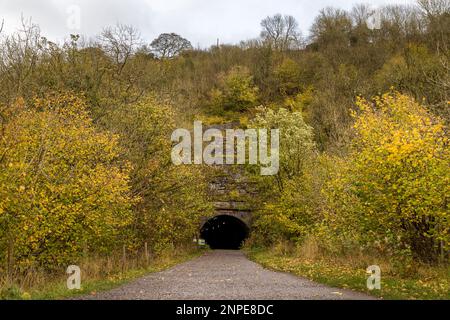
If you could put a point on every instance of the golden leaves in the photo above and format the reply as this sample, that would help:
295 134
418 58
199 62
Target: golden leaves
64 187
399 170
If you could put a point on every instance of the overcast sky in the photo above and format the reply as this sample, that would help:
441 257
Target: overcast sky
200 21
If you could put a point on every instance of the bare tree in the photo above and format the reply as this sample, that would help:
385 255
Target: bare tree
434 7
437 16
281 32
361 13
331 28
120 42
19 54
169 45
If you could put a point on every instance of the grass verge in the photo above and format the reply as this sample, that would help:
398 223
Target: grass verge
55 288
427 283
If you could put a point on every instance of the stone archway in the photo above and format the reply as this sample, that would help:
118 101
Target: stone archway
224 232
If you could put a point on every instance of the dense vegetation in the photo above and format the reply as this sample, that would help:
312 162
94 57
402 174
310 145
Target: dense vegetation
363 111
85 154
362 171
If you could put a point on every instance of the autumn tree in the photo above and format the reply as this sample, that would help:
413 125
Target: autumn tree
393 189
278 218
288 77
172 198
169 45
331 31
237 91
64 191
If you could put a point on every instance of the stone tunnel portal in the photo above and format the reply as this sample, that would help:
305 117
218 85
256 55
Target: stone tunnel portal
224 232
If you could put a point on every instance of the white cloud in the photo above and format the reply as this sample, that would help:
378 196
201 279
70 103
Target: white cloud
201 21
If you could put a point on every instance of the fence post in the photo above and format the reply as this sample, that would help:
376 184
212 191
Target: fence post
124 257
10 261
146 253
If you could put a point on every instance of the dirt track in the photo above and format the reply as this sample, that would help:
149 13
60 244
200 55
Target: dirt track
224 275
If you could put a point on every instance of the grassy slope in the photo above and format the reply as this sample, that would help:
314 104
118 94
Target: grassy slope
435 284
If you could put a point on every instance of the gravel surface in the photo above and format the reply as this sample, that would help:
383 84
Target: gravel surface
223 275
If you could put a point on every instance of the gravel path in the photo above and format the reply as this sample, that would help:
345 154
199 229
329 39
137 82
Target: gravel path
223 275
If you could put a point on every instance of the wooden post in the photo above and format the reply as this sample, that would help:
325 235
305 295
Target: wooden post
146 253
9 261
124 257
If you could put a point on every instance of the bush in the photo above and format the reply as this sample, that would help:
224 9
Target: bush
63 191
172 198
389 195
286 217
236 92
288 77
392 193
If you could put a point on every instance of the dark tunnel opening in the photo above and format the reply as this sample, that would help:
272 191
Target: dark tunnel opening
224 232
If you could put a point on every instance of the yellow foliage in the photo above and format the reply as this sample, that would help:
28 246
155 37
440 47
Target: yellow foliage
63 191
394 188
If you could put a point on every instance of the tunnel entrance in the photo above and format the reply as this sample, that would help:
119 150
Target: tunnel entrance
224 232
